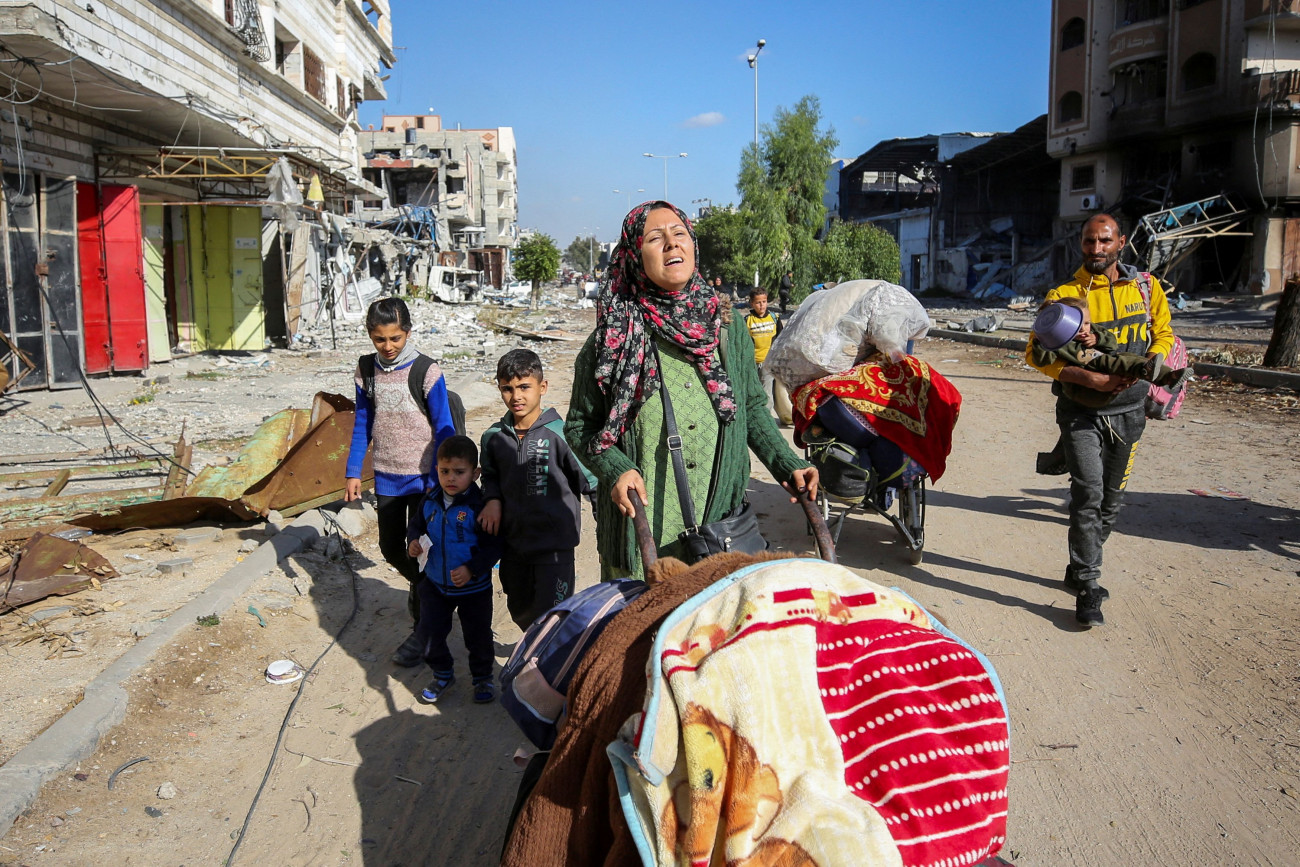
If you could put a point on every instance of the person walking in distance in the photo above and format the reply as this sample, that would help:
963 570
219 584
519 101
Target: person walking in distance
1101 441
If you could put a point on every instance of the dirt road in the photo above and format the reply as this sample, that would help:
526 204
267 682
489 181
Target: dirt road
1169 736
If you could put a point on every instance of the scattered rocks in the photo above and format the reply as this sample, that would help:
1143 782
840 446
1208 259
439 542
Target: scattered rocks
352 519
140 630
196 536
248 546
167 791
153 812
55 822
175 566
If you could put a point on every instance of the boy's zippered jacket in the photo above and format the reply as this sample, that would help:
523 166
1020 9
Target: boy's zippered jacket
457 540
539 482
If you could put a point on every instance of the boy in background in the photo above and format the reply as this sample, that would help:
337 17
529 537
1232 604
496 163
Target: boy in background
532 484
764 326
457 564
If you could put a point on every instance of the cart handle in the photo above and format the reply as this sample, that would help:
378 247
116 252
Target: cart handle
822 533
645 539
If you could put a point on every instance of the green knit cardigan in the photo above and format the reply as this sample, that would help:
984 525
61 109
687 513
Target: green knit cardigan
752 428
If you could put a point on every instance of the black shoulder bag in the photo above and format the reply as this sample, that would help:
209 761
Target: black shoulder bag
736 531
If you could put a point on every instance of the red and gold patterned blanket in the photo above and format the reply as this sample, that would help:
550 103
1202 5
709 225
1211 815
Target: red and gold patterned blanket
907 402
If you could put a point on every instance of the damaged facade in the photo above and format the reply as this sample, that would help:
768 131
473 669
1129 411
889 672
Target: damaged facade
972 212
1185 113
139 145
466 179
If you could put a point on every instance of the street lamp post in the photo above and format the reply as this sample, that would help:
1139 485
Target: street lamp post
591 251
753 64
628 193
665 158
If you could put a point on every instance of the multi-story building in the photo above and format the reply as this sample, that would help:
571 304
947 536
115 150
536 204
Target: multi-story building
971 212
468 177
1159 105
137 141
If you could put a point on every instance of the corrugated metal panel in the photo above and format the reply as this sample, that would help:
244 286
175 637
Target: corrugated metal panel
124 256
112 279
58 221
226 277
155 282
94 282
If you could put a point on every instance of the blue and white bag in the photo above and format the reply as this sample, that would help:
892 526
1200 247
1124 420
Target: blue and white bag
535 680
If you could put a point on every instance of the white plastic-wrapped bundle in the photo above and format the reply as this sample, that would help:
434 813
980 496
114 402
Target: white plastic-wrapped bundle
825 333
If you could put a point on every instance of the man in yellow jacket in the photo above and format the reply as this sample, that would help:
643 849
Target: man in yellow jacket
1100 444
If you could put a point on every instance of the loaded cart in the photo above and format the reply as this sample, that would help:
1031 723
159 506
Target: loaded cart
756 710
874 419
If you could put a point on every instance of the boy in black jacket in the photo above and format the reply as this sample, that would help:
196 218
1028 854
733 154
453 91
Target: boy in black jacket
532 483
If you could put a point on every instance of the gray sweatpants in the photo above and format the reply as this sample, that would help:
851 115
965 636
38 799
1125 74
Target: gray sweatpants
1099 451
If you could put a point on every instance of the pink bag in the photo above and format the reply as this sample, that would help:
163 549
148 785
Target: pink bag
1163 404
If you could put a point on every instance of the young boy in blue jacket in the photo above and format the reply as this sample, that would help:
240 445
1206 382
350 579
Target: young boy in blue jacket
533 486
457 569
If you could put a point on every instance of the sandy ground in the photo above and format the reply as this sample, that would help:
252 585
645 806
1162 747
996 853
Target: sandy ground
1168 736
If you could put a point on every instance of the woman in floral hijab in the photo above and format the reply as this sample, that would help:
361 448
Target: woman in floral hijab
658 323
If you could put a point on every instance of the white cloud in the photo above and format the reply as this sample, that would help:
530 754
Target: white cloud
709 118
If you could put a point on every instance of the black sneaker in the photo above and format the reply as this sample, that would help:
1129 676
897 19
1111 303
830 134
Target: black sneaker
1176 379
410 653
1087 604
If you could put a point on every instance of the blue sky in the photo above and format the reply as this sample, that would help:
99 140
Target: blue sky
590 87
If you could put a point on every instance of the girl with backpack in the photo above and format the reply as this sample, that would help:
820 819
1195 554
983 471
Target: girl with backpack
402 407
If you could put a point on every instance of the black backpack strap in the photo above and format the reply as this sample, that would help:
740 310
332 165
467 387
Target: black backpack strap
415 382
366 364
457 407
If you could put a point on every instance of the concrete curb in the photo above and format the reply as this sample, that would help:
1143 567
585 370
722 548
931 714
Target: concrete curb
1256 376
984 339
76 735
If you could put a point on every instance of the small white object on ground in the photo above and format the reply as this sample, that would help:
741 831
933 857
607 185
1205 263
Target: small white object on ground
283 671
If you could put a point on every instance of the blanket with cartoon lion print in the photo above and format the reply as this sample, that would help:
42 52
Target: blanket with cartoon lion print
798 715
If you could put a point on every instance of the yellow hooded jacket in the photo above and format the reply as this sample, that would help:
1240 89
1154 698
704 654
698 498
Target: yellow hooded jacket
1120 309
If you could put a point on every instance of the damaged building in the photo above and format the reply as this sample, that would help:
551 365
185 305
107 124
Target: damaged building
1181 118
466 179
155 162
972 212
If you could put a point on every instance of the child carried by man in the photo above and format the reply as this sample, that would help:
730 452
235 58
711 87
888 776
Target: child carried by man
1063 332
532 485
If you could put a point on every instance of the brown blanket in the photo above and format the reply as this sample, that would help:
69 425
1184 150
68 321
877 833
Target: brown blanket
573 815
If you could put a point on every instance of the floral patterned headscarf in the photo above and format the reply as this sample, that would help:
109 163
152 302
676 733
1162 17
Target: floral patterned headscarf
631 310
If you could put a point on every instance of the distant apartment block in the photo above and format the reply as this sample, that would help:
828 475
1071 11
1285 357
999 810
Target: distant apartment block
468 177
1189 108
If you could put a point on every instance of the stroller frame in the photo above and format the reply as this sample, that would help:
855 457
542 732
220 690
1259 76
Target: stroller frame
910 500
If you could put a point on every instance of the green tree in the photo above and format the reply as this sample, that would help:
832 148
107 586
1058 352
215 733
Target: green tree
722 247
781 187
583 254
858 251
537 259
